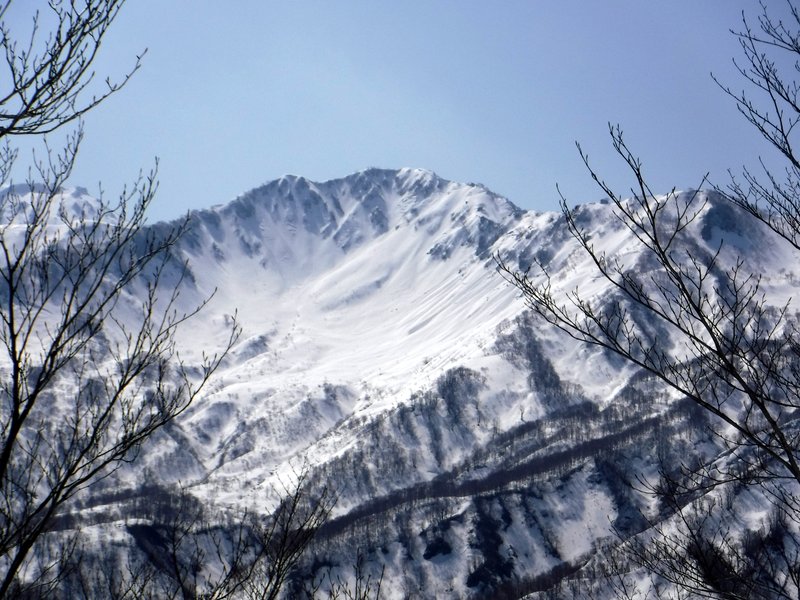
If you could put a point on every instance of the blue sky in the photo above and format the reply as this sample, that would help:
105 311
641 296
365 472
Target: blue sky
234 94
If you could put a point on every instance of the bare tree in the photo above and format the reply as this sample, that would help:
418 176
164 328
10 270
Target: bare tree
362 587
701 321
88 299
187 550
49 73
283 538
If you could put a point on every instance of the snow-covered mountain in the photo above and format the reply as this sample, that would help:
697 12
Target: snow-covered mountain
474 450
353 295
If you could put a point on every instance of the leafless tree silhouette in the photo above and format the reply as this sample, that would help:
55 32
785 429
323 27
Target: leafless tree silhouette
88 298
718 339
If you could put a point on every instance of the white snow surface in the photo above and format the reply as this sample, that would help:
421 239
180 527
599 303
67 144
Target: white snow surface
355 293
377 283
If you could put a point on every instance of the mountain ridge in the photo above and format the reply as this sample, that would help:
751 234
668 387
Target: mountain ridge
381 351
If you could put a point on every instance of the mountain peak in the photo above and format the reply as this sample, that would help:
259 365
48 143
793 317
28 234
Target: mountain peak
293 226
67 202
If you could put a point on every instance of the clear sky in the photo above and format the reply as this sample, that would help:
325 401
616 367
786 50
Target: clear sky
233 94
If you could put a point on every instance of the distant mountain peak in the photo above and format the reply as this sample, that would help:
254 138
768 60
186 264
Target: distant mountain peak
292 215
67 202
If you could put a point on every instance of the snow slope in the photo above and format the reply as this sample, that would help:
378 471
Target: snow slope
376 283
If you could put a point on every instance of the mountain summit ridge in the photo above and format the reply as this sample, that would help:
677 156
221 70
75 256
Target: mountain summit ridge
294 222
